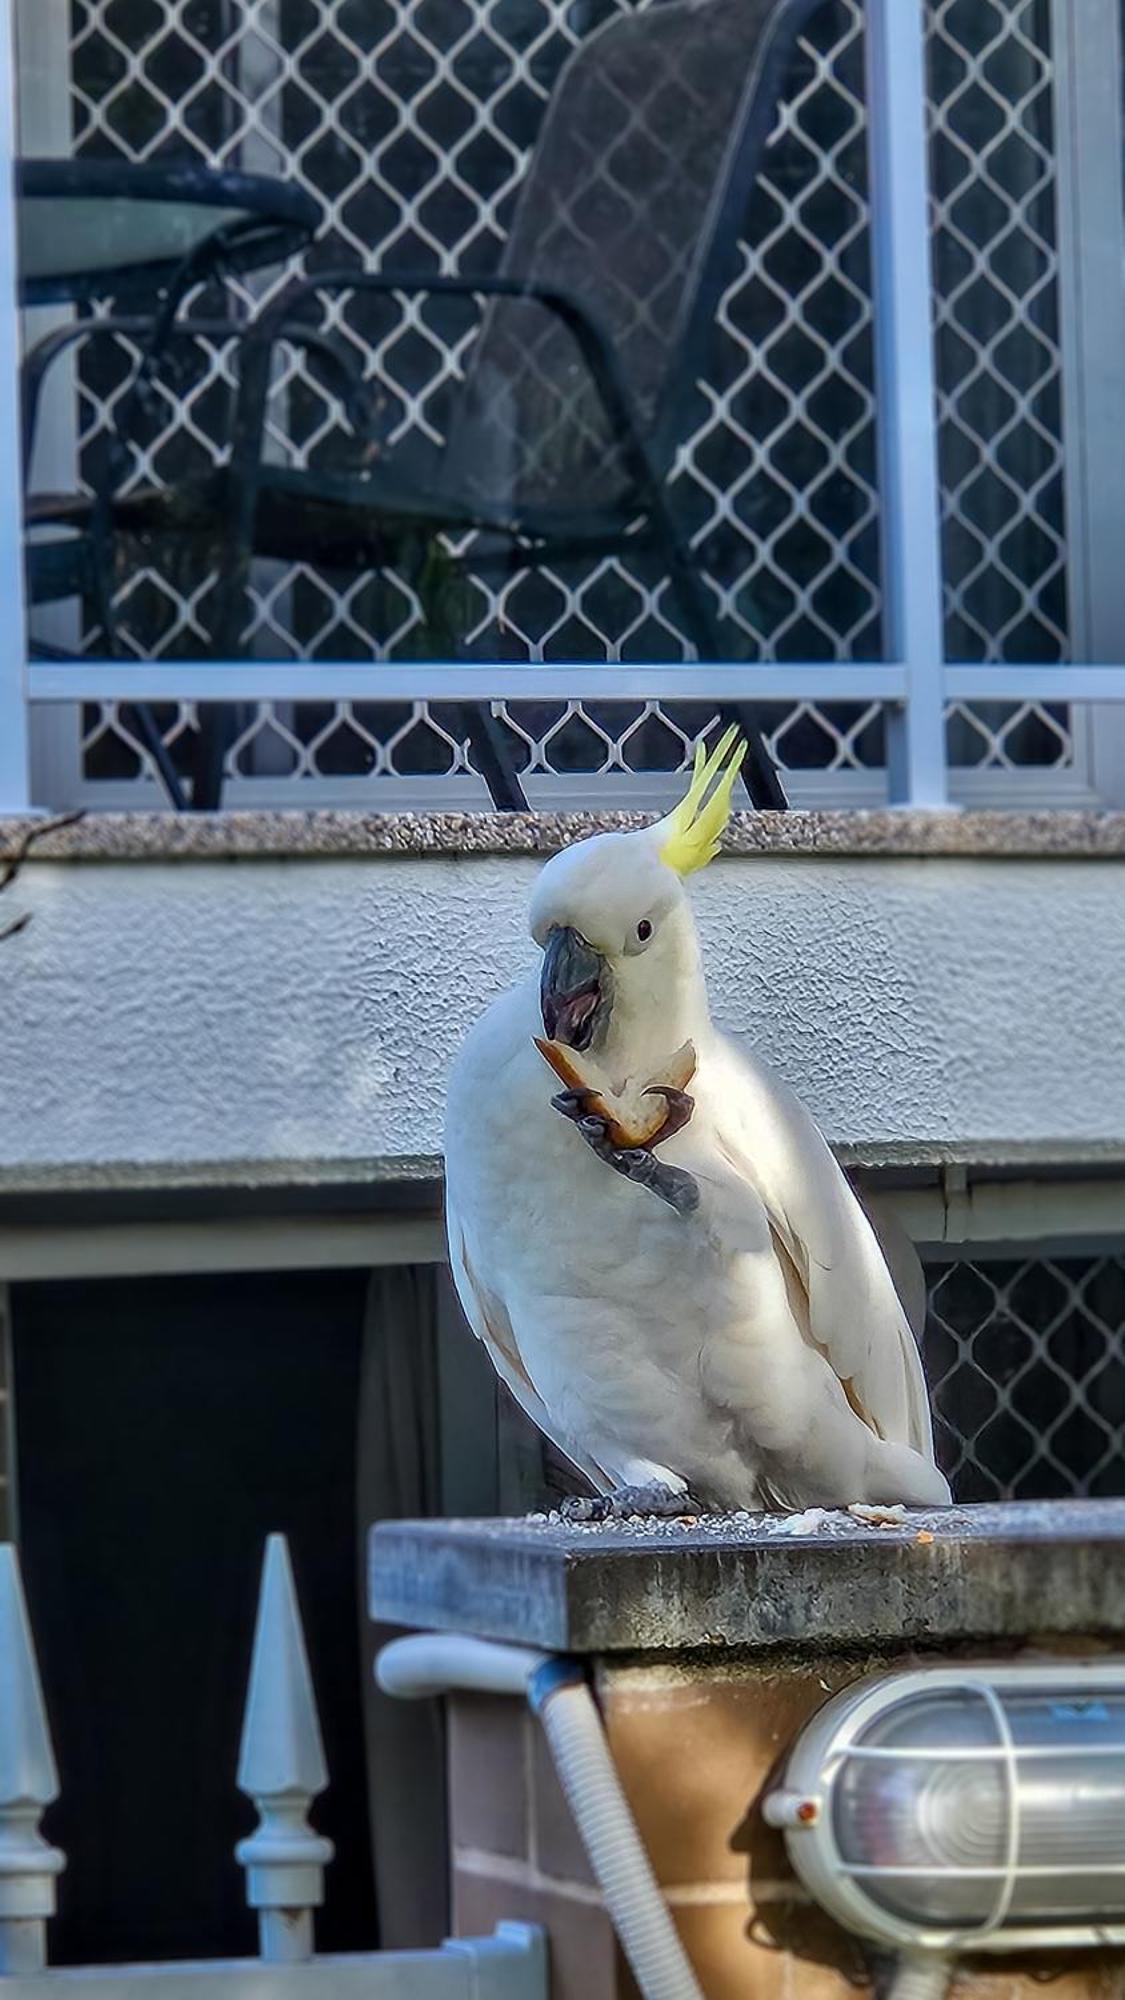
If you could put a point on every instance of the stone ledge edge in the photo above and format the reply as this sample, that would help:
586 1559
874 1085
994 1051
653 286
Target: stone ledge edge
1006 1157
330 835
1051 1569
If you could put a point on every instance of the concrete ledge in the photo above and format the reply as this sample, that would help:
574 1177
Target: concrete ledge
248 836
1091 1170
1009 1572
236 1185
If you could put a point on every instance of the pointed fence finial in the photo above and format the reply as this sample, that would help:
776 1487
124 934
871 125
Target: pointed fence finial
28 1783
281 1767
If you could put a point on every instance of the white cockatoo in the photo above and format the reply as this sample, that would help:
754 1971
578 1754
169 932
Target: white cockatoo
709 1316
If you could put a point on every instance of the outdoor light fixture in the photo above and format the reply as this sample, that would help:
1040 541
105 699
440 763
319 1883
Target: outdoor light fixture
972 1808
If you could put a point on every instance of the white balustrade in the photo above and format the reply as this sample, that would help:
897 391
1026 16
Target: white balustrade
29 1783
281 1767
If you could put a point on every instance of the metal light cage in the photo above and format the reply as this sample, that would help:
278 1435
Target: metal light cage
966 1808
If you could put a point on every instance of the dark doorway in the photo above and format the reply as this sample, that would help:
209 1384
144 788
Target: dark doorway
164 1427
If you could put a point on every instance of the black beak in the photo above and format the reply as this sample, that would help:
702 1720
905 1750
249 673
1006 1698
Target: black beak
572 988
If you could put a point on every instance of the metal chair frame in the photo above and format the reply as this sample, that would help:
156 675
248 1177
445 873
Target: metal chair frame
254 505
250 478
532 535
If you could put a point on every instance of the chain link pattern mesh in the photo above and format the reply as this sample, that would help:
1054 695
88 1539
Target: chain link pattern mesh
1025 1359
413 120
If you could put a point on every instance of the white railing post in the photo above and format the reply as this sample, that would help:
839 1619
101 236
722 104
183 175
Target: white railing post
905 397
1087 44
14 741
28 1783
281 1767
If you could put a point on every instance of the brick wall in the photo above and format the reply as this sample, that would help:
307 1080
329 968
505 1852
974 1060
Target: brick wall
515 1852
696 1746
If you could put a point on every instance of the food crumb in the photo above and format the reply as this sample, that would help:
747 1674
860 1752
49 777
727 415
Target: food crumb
803 1524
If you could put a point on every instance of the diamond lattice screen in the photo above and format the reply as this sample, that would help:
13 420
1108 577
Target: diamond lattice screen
1026 1365
414 123
999 365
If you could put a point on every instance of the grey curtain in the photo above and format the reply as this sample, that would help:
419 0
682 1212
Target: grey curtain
436 1435
398 1475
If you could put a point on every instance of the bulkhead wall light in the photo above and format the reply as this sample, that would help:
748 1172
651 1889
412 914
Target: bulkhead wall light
965 1808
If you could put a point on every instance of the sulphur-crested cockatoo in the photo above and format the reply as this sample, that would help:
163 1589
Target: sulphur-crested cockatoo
708 1316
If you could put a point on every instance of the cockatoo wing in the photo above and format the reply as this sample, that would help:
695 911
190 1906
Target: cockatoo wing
490 1320
841 1290
902 1259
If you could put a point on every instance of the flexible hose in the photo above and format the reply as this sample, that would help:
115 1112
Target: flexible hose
617 1855
558 1693
921 1975
430 1663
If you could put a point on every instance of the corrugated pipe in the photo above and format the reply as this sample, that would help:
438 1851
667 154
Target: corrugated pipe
557 1690
921 1975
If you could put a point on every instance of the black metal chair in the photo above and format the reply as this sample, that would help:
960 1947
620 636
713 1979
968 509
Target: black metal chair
562 438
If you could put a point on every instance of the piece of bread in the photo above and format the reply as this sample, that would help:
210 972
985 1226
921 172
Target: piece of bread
634 1111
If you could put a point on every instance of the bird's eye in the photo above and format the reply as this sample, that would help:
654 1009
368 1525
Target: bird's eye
644 930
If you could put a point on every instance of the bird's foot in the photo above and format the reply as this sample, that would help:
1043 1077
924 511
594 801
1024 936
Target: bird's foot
636 1163
631 1503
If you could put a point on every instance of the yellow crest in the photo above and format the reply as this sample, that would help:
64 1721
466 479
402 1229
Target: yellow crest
691 835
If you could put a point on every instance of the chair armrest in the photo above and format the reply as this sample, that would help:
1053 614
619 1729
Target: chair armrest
574 312
341 370
276 320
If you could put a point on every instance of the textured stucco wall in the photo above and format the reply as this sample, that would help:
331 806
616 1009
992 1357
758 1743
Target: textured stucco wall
272 1009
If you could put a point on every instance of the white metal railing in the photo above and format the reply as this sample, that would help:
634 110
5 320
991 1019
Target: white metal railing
915 683
282 1769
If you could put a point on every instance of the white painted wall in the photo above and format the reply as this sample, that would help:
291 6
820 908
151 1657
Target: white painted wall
263 1010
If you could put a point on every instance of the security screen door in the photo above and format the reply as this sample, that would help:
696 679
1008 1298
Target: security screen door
413 121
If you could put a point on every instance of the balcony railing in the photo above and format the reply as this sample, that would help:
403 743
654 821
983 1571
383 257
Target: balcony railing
912 105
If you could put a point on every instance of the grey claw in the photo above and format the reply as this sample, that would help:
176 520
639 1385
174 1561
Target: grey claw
631 1503
678 1188
572 1103
666 1502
